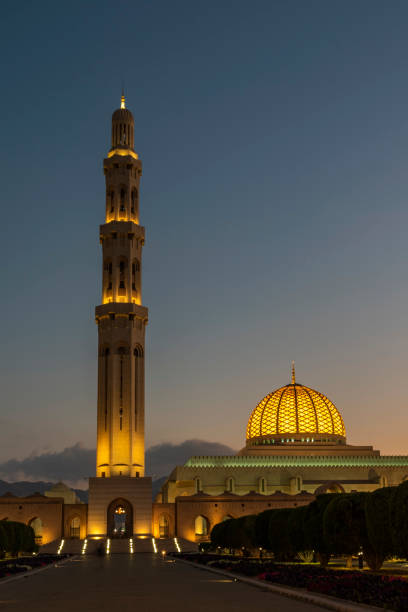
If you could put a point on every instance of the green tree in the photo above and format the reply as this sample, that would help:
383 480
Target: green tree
296 530
4 544
377 514
344 524
261 528
398 519
313 533
278 533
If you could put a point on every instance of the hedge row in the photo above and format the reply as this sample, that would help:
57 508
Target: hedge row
333 524
15 538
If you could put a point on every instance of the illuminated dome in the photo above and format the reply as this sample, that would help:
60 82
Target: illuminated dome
295 410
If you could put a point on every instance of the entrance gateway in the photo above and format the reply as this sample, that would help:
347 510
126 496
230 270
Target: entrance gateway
120 496
120 519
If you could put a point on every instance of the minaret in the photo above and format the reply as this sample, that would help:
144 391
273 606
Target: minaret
121 318
120 496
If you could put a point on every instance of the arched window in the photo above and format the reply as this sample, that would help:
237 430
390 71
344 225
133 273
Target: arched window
230 485
36 524
122 199
262 485
133 199
107 277
139 378
201 525
198 485
135 274
138 352
105 354
163 526
122 276
74 527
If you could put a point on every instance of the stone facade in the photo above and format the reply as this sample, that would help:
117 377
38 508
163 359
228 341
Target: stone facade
134 494
201 512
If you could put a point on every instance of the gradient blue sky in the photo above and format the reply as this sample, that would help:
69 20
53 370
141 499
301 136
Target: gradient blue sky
274 138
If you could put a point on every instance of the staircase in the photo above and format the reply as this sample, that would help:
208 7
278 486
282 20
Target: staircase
114 546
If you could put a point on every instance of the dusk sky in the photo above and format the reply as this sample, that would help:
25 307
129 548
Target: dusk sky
274 141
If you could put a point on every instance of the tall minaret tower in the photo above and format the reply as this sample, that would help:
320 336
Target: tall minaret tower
121 319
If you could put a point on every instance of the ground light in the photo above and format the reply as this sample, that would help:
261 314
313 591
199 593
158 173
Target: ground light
154 545
84 546
131 545
177 545
61 546
108 546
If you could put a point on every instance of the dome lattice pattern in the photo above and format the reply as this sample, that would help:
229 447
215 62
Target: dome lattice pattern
295 409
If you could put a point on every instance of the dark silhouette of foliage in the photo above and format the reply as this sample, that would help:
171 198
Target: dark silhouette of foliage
344 524
16 538
296 529
398 519
261 529
377 516
313 527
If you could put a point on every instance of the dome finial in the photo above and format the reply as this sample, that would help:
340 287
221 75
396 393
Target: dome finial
293 373
122 99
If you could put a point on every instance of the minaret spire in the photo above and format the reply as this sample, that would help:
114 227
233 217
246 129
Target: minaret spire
122 99
120 488
121 317
293 373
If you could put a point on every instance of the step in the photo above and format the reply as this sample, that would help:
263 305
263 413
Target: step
119 546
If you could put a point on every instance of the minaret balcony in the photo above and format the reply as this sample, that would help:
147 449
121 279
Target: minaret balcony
121 309
114 228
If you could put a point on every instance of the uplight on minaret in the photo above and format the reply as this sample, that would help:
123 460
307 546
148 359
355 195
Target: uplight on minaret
121 321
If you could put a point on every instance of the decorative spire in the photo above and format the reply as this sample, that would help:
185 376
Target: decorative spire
122 100
293 373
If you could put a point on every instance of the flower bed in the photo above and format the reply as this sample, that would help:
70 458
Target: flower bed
387 592
11 567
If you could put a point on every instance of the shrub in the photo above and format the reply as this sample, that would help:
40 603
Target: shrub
261 528
398 519
235 533
344 524
296 530
16 537
377 516
313 533
278 534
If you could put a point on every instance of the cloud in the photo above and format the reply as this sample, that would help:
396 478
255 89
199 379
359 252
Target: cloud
75 464
72 465
162 458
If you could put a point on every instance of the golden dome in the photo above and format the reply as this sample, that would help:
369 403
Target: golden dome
295 409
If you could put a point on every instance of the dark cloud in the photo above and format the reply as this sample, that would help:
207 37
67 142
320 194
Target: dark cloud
162 458
75 464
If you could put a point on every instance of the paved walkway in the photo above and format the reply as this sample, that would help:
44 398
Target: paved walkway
138 583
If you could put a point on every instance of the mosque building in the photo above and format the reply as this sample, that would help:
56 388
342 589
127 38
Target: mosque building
295 447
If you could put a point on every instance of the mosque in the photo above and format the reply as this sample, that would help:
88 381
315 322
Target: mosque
295 446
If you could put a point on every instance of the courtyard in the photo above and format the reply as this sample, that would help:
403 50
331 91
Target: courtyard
143 582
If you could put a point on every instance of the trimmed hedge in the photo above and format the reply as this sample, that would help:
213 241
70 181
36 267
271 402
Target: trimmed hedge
374 524
16 538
